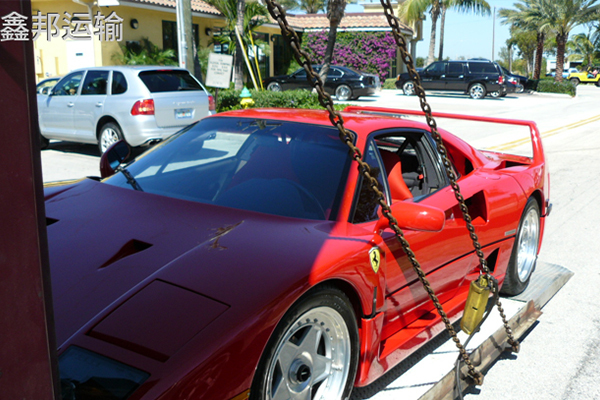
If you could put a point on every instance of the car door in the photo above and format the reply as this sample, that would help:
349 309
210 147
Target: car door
297 81
445 257
56 110
455 76
89 104
433 76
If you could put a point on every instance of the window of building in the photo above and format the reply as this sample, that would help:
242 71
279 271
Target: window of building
169 29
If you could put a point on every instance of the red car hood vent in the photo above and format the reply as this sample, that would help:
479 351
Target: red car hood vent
130 248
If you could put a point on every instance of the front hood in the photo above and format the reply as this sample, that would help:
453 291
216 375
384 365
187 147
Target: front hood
106 243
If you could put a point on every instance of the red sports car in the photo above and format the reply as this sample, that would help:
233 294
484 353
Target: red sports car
244 258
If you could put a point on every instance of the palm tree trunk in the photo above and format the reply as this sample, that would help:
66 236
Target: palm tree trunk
442 24
435 13
539 52
561 42
335 13
239 52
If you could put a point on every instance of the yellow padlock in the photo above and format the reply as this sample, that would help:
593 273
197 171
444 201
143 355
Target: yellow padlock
479 293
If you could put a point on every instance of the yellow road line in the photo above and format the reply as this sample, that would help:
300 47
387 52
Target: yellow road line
546 134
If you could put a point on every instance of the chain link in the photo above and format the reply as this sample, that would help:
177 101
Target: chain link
278 14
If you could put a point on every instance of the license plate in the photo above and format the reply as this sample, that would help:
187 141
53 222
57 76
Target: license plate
183 113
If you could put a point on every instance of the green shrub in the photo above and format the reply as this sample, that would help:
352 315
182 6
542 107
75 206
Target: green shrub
230 99
551 86
389 83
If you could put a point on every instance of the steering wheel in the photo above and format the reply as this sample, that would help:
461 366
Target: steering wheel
315 204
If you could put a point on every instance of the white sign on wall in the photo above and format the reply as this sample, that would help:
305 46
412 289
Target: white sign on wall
218 74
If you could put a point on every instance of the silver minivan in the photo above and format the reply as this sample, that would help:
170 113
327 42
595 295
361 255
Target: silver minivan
141 104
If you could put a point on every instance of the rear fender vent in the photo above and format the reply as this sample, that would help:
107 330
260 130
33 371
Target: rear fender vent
130 248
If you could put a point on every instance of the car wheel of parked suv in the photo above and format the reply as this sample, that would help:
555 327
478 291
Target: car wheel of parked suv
495 94
408 88
109 135
343 92
477 91
274 87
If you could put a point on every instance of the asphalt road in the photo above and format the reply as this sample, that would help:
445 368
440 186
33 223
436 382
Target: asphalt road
560 355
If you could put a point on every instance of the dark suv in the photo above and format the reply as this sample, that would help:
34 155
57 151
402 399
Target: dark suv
474 77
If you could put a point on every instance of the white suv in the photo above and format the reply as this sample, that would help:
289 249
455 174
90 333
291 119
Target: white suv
102 105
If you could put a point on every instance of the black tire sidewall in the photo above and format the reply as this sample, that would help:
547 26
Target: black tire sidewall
512 283
349 90
325 296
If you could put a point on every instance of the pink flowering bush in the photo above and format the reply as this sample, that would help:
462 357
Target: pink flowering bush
371 52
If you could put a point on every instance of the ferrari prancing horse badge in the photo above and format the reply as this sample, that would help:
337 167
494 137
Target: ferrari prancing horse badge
375 257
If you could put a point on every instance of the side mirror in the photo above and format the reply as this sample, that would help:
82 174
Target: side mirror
414 216
113 157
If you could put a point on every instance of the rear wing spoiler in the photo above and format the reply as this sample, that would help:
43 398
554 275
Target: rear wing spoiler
536 138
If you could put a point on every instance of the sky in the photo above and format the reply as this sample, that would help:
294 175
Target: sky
466 34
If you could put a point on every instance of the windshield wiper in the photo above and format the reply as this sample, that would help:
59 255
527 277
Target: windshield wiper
130 179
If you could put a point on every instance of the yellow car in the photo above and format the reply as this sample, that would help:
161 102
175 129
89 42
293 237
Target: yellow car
585 77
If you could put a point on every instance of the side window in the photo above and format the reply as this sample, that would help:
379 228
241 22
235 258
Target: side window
367 204
69 85
334 73
301 74
95 82
455 69
437 68
119 84
412 165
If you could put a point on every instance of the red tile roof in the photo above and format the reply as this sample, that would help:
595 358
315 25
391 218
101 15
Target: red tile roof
350 21
197 5
371 21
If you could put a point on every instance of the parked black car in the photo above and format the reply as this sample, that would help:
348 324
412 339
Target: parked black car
474 77
342 82
519 81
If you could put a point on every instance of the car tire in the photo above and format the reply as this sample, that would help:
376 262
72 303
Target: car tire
574 81
408 88
495 95
597 83
318 332
109 135
520 88
343 93
524 253
477 91
274 87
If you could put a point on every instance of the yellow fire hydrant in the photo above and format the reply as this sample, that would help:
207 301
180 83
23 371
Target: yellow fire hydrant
246 98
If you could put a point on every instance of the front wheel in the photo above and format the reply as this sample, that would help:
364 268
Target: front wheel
343 92
408 88
109 135
477 91
574 81
313 353
524 254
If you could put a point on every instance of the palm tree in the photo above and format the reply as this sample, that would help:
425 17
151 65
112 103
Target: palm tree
246 17
309 6
584 48
480 7
561 16
335 13
528 16
412 11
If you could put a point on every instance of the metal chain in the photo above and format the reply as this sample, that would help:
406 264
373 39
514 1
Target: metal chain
278 14
406 57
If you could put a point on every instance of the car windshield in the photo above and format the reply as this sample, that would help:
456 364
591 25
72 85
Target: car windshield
275 167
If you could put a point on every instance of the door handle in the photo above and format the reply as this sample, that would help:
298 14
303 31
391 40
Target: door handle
99 104
70 104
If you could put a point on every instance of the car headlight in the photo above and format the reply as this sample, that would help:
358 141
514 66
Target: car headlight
85 375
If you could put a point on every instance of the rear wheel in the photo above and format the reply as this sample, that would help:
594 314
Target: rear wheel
598 83
343 92
477 91
274 87
524 254
109 135
495 94
408 88
313 353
